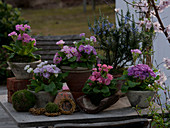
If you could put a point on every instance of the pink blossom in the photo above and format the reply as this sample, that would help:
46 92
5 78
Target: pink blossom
110 67
97 74
12 34
104 66
19 37
100 69
105 69
27 26
107 81
26 38
69 56
92 78
94 69
109 76
99 65
135 51
100 80
156 26
90 84
61 42
33 39
82 34
19 27
148 25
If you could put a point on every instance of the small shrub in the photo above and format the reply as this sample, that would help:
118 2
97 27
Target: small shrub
23 100
51 108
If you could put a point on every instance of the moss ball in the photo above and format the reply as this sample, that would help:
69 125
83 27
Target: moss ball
23 100
52 108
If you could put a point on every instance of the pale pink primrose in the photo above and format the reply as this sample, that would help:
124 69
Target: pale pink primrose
12 34
61 42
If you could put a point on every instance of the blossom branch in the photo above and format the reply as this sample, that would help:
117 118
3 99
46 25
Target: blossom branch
159 20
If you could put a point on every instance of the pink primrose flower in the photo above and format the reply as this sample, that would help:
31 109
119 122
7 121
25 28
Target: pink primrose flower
82 34
94 69
105 69
27 26
107 81
92 78
19 37
100 80
109 76
96 74
61 42
69 56
100 69
19 27
110 67
12 34
33 39
104 66
26 38
99 65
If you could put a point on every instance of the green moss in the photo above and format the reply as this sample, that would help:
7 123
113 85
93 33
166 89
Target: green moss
23 100
51 108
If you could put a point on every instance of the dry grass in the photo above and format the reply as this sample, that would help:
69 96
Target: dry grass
63 21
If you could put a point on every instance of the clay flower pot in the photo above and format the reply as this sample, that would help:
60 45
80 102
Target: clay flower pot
18 69
76 79
140 98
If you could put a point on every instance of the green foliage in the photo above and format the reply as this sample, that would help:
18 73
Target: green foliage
52 108
9 17
117 41
23 100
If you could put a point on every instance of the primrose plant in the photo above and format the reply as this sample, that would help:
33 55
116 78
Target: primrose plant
47 77
82 54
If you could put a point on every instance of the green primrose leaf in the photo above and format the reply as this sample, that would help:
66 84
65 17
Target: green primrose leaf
105 89
96 90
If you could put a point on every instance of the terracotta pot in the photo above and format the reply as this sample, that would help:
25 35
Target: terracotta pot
140 98
42 98
76 79
18 69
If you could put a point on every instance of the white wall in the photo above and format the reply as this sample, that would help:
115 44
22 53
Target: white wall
161 45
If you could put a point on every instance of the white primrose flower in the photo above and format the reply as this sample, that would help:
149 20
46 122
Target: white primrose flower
46 62
56 75
74 42
26 67
30 70
87 39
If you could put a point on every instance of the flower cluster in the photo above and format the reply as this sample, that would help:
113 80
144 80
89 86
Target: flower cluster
47 77
102 76
23 46
101 81
83 54
44 70
24 37
141 71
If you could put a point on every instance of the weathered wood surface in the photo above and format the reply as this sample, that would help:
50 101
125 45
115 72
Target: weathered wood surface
118 112
48 45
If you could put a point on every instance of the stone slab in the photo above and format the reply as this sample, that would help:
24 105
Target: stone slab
118 114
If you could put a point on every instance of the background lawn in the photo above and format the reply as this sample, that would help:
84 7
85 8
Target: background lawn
63 21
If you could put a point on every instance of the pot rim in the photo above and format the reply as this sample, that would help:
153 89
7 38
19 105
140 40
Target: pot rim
73 69
38 61
134 91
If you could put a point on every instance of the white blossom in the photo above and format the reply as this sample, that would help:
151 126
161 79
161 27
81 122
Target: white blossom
30 70
26 67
